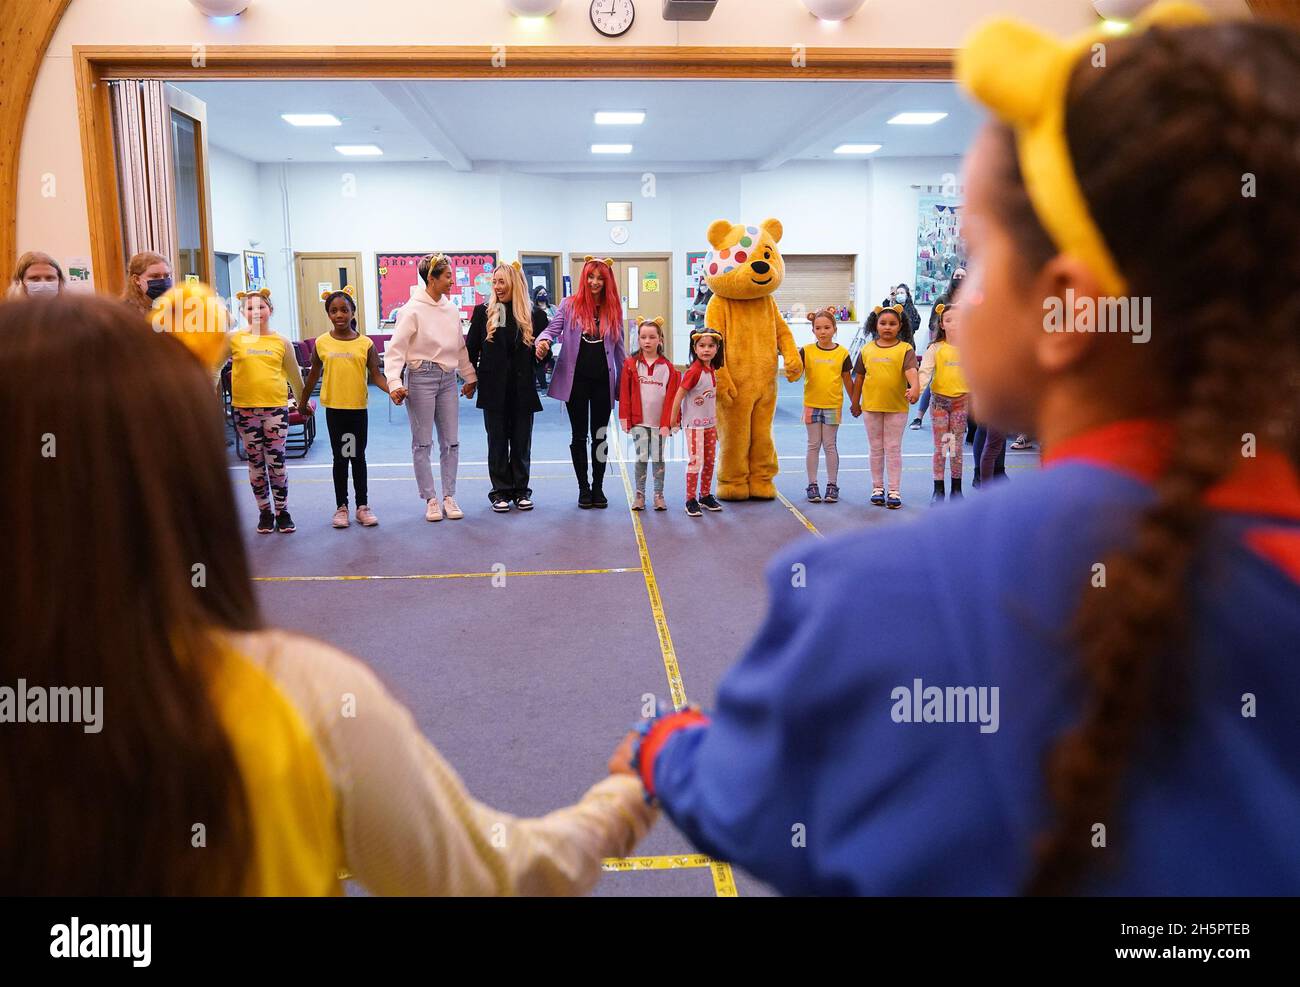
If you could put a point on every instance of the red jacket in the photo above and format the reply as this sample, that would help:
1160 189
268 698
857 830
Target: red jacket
629 393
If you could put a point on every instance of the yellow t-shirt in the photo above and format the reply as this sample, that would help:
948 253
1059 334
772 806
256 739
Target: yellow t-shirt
263 368
948 378
293 811
884 387
346 371
823 376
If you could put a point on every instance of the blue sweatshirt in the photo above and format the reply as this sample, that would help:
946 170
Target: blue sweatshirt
811 777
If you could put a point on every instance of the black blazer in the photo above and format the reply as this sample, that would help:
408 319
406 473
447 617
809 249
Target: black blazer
504 363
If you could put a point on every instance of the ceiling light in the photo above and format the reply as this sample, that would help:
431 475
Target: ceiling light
358 150
221 8
620 118
311 119
611 148
916 119
532 8
858 148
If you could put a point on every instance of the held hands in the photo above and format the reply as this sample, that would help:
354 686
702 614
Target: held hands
398 394
620 762
468 389
912 395
856 410
793 371
543 348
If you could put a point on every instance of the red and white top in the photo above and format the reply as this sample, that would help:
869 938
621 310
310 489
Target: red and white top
699 405
646 392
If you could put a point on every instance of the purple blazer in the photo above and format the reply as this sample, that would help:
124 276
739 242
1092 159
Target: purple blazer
564 327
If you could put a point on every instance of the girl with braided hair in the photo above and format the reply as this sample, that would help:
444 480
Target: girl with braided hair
1111 622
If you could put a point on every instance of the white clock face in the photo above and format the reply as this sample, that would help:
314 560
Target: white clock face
612 18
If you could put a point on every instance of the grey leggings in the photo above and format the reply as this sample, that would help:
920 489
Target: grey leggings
649 449
433 398
823 437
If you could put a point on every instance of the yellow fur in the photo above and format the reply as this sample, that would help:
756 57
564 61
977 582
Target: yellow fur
743 311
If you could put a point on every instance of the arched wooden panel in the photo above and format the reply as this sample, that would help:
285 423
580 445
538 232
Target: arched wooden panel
25 33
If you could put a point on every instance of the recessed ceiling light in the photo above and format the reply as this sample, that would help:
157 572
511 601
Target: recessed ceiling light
611 148
358 150
917 119
858 148
311 119
620 118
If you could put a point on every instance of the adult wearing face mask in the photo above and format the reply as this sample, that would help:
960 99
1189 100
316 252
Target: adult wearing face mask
148 276
902 295
37 275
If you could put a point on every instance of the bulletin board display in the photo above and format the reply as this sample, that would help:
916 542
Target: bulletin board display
694 272
399 273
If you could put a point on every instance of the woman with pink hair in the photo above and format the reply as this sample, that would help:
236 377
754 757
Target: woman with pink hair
589 326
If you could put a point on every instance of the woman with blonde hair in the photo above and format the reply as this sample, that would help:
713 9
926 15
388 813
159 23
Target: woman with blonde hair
148 276
502 348
37 274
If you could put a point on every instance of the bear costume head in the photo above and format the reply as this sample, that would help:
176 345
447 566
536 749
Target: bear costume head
745 261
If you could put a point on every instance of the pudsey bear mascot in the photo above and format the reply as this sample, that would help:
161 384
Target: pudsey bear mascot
743 271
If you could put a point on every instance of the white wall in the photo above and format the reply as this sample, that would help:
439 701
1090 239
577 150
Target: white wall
51 147
864 208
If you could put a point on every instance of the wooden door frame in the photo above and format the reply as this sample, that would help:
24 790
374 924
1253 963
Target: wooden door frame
191 106
25 37
95 65
361 288
557 266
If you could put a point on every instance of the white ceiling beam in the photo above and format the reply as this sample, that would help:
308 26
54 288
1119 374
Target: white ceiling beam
408 100
836 115
619 167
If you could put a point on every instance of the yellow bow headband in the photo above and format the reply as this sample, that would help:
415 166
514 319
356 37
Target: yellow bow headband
706 331
829 310
1022 76
347 290
657 321
263 292
607 261
896 309
941 308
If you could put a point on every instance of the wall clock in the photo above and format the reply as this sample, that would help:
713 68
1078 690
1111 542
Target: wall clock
613 18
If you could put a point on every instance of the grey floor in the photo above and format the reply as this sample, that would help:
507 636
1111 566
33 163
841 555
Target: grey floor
528 687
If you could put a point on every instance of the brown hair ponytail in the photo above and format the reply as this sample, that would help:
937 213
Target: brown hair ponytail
1162 140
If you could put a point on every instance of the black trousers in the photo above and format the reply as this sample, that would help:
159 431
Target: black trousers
348 434
589 403
510 452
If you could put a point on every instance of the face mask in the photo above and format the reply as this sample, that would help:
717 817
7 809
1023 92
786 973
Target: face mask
900 296
41 287
158 287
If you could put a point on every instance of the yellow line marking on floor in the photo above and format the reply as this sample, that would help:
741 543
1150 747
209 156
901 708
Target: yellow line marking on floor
411 477
724 884
442 575
799 514
623 865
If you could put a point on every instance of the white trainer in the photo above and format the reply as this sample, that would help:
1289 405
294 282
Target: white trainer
450 509
433 512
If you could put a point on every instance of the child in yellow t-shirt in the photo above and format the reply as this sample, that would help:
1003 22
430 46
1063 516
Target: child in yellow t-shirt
826 368
884 385
263 369
949 402
346 359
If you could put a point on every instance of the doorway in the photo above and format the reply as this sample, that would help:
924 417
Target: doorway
543 269
320 272
645 287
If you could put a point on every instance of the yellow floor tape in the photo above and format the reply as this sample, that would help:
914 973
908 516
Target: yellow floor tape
798 513
684 861
724 884
441 575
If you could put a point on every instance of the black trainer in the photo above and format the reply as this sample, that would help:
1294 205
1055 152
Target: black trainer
710 503
265 523
598 498
584 499
523 503
693 508
500 505
284 523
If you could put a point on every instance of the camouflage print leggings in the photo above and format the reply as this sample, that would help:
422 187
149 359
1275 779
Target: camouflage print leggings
263 431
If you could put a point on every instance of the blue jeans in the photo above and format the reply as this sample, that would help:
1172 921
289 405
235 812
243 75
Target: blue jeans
924 405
